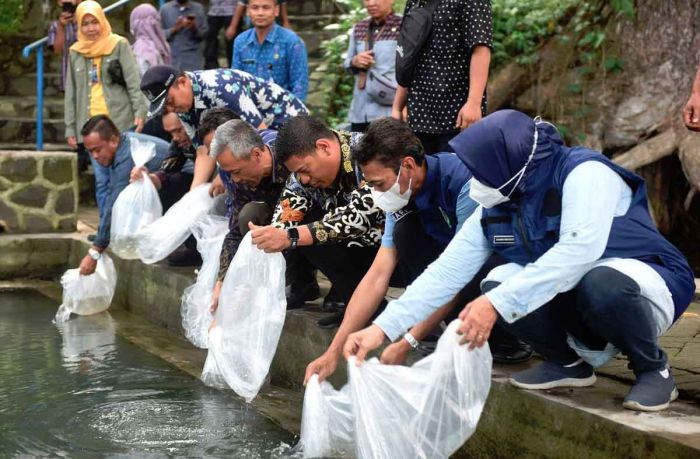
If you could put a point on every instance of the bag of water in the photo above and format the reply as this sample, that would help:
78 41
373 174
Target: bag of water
248 322
210 232
427 410
137 206
86 295
159 239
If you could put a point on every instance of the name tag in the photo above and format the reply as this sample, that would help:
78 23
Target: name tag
504 240
399 214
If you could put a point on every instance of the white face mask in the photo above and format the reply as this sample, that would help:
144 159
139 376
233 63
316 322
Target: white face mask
489 197
392 200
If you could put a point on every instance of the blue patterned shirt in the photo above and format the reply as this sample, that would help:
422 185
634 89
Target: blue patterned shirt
256 101
281 58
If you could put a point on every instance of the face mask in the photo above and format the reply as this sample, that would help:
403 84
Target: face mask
392 200
489 197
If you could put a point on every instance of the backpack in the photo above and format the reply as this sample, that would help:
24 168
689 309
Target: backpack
415 30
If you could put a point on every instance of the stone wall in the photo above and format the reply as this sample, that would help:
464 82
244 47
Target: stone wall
38 192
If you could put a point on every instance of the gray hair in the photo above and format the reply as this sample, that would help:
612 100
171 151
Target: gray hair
239 136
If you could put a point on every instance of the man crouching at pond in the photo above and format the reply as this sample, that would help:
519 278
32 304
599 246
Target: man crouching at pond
112 149
589 275
326 216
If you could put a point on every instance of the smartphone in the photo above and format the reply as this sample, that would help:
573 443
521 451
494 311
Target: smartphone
68 7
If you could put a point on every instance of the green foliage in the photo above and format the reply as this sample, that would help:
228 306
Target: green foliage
11 14
519 27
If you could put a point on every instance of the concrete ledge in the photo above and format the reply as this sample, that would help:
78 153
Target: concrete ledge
586 422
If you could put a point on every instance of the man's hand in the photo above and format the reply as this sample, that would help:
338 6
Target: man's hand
230 32
269 239
469 114
478 318
215 297
137 173
396 353
65 18
362 342
138 122
363 60
87 265
324 366
691 112
217 187
72 142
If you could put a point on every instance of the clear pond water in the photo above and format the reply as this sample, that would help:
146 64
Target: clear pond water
78 390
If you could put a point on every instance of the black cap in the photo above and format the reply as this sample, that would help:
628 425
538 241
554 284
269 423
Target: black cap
155 84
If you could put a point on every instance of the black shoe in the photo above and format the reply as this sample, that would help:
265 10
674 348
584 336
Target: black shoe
298 296
184 257
91 237
332 302
332 321
510 352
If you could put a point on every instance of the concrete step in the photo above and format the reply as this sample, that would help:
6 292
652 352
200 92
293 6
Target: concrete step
23 130
313 40
313 8
313 23
19 106
17 146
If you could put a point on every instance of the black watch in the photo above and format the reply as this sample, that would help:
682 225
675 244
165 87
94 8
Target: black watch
293 235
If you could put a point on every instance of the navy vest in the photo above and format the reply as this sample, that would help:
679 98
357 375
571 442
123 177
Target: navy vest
524 231
436 203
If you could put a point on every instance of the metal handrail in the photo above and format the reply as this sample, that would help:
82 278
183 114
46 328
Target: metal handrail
39 47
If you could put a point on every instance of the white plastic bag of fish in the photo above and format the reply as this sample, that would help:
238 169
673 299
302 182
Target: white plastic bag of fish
210 232
159 239
86 295
428 410
248 321
136 207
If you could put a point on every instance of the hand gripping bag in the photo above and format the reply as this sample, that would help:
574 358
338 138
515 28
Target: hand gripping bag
249 321
159 239
137 206
86 295
427 410
210 232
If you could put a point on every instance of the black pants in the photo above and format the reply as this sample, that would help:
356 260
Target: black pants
344 266
605 307
416 250
211 43
256 212
436 143
174 189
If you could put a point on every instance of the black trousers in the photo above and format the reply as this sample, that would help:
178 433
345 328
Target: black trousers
416 250
605 307
436 143
177 185
344 266
211 42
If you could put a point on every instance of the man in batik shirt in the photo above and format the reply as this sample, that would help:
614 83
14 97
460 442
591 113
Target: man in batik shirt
326 215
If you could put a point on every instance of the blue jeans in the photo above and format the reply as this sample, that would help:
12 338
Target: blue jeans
101 184
605 307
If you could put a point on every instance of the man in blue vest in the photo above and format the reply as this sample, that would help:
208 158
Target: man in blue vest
426 200
589 275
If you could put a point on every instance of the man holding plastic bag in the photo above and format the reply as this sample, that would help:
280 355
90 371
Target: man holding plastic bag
254 179
589 274
112 149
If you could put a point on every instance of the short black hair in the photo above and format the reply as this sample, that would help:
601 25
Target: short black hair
388 141
213 118
101 124
298 136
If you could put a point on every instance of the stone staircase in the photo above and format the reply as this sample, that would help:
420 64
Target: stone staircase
18 99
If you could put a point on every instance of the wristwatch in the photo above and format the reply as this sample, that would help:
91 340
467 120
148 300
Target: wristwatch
293 236
411 340
94 254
